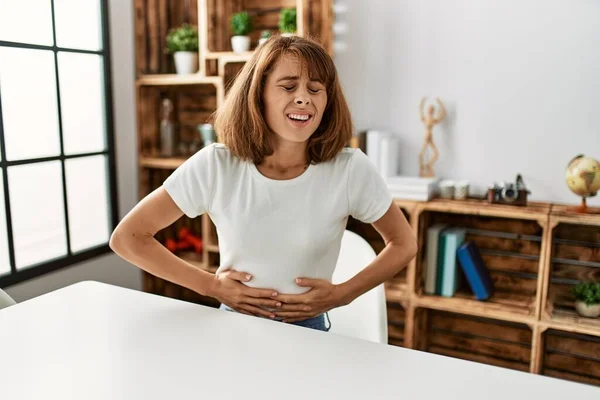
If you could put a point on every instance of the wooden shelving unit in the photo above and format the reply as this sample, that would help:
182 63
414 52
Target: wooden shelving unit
535 253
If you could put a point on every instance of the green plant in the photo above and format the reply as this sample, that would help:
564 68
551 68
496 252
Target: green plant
287 20
588 292
241 23
265 34
184 38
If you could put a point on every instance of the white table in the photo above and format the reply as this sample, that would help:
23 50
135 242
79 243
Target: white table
96 341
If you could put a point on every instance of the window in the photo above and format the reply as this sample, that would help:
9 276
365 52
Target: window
58 202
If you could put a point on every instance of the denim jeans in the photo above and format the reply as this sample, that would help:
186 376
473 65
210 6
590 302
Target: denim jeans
317 322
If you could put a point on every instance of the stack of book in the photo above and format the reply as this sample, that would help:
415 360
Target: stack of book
412 187
450 259
382 148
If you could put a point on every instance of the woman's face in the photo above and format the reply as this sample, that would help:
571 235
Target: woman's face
293 103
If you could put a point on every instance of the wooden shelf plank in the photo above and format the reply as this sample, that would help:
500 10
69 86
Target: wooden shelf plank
175 79
565 213
533 211
161 163
493 308
229 55
570 321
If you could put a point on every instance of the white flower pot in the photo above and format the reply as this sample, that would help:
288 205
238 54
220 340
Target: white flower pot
262 40
590 311
186 62
287 34
240 44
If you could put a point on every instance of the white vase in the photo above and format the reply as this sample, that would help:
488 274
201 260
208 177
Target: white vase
240 44
590 311
186 62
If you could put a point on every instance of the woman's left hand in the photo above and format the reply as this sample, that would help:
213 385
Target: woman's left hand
322 297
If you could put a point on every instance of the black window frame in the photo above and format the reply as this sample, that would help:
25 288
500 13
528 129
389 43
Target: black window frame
17 276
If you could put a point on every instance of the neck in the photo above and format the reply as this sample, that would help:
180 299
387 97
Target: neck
286 155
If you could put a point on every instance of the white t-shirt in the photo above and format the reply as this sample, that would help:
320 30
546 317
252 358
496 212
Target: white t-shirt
278 230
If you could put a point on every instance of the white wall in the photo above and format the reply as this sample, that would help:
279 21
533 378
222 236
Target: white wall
108 268
520 78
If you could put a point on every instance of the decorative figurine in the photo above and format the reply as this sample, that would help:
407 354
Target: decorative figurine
426 166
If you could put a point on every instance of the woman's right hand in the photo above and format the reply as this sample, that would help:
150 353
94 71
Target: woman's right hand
228 289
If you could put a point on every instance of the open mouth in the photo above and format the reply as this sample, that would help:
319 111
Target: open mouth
299 119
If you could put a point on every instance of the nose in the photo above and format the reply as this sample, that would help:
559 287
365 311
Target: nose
302 101
302 98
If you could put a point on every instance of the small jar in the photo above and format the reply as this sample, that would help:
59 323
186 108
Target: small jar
447 189
461 190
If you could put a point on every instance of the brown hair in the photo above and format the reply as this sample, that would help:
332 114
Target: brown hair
240 122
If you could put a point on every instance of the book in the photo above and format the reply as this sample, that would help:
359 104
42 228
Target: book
388 152
433 261
476 274
373 148
451 275
412 188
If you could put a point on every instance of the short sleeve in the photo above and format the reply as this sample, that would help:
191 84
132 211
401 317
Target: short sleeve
368 194
191 185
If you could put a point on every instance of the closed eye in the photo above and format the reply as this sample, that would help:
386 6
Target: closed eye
290 88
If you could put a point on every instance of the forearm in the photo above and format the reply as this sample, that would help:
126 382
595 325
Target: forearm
386 265
148 254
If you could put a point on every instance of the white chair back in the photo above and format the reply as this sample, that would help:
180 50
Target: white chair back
5 300
366 317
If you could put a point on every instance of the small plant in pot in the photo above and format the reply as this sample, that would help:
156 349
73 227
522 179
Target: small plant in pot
587 299
287 21
182 42
264 36
241 25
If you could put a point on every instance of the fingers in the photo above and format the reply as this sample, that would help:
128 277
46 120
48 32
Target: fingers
262 302
294 298
294 314
257 311
238 276
261 293
310 282
294 307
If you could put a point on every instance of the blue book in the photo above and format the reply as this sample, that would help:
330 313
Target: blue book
475 271
453 238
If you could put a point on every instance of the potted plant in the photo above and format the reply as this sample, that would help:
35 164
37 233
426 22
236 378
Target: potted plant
182 42
241 25
587 299
264 36
287 21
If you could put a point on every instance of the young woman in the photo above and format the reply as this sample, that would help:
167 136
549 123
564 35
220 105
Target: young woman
279 187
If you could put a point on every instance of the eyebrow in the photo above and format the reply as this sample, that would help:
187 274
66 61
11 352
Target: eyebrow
295 78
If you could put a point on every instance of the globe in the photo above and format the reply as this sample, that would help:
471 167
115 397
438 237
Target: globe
583 177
